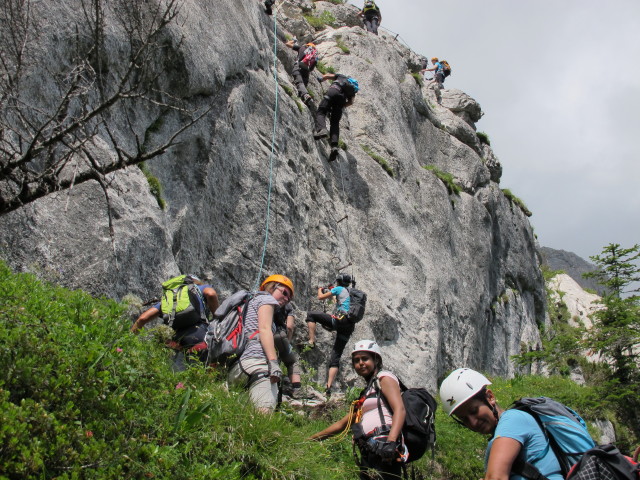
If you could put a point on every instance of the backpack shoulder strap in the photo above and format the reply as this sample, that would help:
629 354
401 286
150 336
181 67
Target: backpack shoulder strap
526 469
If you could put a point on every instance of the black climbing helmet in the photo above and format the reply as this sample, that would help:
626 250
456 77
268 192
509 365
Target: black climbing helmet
343 280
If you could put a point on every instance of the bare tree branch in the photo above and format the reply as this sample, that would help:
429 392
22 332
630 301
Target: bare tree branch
47 142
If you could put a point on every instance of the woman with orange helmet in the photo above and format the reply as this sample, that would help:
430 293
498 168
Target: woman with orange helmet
258 366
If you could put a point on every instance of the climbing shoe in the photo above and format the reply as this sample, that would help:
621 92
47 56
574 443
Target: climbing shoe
327 393
267 8
306 98
321 134
335 151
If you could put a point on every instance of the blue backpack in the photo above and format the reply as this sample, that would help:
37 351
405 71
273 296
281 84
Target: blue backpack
564 428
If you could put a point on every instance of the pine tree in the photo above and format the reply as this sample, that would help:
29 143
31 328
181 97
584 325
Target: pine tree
615 334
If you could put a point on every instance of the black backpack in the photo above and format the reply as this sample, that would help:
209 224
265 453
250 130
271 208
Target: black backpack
604 462
346 86
419 430
357 304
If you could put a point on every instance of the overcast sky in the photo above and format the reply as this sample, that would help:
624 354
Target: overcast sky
559 83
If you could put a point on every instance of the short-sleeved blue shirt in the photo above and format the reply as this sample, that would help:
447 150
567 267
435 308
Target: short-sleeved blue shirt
523 428
343 299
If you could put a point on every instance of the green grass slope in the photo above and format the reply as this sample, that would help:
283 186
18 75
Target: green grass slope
80 397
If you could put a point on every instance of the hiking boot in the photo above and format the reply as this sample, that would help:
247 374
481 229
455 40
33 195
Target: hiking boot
267 8
335 151
321 134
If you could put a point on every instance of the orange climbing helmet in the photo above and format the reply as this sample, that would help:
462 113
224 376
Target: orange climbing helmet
310 44
281 279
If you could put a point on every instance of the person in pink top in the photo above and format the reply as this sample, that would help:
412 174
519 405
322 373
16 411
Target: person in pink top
376 418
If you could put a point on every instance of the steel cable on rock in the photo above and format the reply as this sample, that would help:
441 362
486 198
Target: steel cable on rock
273 142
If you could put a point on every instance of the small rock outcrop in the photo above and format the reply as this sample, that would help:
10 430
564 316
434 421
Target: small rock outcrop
573 265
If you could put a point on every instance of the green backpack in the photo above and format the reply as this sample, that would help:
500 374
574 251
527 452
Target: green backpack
369 5
178 297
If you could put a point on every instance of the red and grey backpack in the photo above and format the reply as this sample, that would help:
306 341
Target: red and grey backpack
310 57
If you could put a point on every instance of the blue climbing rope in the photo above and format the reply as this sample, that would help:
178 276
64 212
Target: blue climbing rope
273 142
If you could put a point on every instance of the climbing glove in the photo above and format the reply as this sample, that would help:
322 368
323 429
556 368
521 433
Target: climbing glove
274 369
387 451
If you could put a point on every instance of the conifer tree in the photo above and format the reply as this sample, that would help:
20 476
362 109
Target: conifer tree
616 327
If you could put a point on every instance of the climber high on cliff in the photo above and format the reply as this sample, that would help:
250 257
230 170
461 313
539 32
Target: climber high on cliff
305 63
371 15
339 95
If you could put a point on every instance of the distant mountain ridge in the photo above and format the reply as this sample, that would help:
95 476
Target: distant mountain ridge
572 264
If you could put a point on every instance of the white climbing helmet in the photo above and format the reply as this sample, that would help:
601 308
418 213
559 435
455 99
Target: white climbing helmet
460 386
367 346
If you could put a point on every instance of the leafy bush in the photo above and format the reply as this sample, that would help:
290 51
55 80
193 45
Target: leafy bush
341 45
418 78
517 202
288 90
446 178
483 137
324 68
322 20
381 161
155 187
342 145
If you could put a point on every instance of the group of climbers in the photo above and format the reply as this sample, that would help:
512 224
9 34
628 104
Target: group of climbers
187 305
343 88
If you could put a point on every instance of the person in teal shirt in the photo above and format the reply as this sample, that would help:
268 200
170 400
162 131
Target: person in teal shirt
514 433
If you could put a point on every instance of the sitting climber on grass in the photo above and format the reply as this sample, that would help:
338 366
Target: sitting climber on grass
371 16
185 306
340 94
258 369
377 419
337 322
304 65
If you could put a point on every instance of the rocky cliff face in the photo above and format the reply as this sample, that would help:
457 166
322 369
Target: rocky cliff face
453 279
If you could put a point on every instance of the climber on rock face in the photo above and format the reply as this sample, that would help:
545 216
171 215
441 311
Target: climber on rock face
305 63
336 322
268 4
339 95
371 15
438 67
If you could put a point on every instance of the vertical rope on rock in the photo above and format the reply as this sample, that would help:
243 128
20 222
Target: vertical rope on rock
346 215
273 142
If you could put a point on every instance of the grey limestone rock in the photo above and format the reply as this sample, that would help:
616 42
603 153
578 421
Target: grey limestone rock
453 280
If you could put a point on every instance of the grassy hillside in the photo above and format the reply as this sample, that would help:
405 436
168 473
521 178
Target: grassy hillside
82 398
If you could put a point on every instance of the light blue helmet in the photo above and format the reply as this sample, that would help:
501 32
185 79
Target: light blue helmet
354 82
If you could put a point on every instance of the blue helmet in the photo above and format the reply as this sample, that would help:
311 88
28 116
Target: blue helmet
354 82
